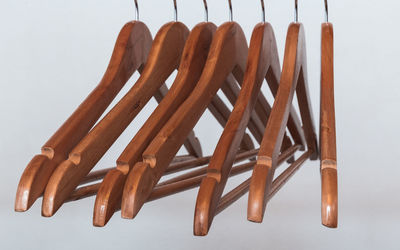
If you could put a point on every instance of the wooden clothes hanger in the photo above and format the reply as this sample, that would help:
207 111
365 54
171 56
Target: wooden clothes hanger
194 56
208 59
293 78
163 59
228 51
86 154
130 54
227 54
329 198
262 62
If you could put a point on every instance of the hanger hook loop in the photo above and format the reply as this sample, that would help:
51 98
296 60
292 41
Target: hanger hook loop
263 11
205 10
175 11
230 10
326 11
296 12
136 10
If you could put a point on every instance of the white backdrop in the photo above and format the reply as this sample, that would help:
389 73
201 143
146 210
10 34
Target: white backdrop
54 52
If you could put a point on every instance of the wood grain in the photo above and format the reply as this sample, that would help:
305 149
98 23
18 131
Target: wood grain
329 197
163 59
130 53
190 68
263 55
293 78
228 54
243 188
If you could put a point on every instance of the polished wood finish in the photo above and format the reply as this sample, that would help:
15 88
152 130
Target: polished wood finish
293 78
239 157
192 143
130 53
243 188
184 162
329 197
167 189
263 57
163 59
161 191
228 54
190 68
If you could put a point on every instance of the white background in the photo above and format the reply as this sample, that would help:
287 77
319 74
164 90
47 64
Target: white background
54 52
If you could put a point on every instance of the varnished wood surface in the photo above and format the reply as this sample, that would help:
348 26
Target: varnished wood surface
293 78
329 191
130 53
161 191
243 188
178 161
239 157
163 59
228 54
192 143
190 68
263 55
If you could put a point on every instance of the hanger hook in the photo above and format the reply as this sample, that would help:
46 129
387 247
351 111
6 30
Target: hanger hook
230 10
175 11
326 11
296 12
205 10
263 11
136 10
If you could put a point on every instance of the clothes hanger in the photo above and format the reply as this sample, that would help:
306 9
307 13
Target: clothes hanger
262 62
170 187
227 55
294 77
329 197
130 54
108 198
163 59
192 62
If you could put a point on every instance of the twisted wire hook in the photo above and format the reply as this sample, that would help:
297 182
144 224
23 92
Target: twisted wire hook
296 12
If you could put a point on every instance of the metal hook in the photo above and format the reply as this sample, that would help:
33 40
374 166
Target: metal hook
137 10
176 11
205 10
296 12
326 11
263 11
230 11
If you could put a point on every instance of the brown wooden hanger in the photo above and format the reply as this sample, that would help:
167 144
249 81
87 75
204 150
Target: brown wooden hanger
208 59
329 197
293 78
262 62
130 53
194 56
174 185
228 54
163 59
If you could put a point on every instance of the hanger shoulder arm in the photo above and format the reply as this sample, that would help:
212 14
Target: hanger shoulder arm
193 59
222 59
162 60
130 52
329 192
212 186
270 147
